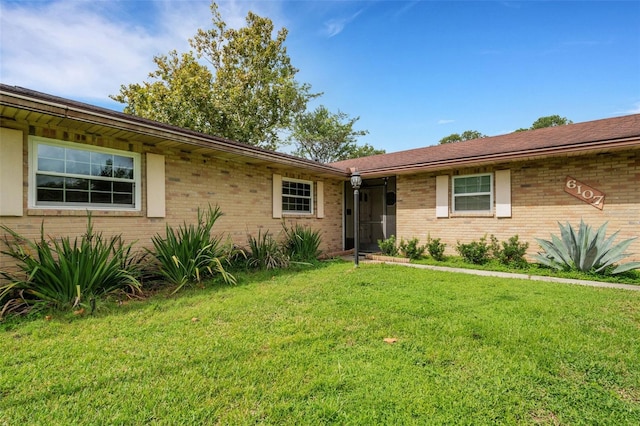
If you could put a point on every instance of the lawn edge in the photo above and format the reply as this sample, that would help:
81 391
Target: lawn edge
499 274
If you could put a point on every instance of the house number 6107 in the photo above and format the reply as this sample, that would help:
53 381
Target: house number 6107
584 192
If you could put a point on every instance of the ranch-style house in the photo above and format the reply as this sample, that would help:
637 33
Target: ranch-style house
60 158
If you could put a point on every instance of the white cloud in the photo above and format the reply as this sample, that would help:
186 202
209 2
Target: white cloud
406 6
85 49
335 26
446 121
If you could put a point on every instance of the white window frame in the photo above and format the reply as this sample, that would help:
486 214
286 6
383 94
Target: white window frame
310 197
471 194
35 142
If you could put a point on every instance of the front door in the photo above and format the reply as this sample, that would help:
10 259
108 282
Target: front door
371 217
377 213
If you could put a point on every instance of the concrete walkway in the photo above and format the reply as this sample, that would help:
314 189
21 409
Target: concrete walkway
507 275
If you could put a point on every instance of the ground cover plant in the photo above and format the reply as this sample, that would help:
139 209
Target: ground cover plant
377 344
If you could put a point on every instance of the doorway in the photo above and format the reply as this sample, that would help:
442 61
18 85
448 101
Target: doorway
377 213
371 218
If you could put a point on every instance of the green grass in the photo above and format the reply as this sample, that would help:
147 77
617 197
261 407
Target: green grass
307 348
629 277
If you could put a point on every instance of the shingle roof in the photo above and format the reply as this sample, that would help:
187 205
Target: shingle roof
592 136
599 135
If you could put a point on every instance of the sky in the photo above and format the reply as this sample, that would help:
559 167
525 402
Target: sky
413 71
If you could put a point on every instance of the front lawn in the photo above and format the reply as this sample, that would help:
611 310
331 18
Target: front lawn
629 277
309 348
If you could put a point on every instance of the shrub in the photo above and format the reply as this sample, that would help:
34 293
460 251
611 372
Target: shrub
264 252
509 252
388 246
494 247
476 252
61 273
585 251
411 249
301 244
436 248
191 253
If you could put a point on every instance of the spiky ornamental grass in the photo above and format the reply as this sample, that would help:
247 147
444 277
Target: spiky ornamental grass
61 273
585 250
191 253
302 243
264 252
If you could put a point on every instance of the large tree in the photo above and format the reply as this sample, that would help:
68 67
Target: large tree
548 121
465 136
247 93
323 136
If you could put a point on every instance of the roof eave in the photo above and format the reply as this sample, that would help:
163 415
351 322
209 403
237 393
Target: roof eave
121 121
484 160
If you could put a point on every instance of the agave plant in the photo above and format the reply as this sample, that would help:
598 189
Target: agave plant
585 250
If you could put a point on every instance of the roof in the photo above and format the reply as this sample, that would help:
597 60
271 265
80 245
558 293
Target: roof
20 104
24 105
573 139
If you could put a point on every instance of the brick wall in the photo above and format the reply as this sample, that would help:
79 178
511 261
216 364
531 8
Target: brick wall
243 192
538 201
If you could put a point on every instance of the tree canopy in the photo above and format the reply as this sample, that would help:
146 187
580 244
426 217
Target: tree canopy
465 136
249 92
547 121
323 136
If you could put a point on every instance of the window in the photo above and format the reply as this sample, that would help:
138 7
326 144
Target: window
473 193
297 196
72 175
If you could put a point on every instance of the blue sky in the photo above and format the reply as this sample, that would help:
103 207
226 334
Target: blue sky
413 71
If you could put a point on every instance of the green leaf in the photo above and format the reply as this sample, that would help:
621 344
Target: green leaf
247 92
58 268
584 250
626 267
